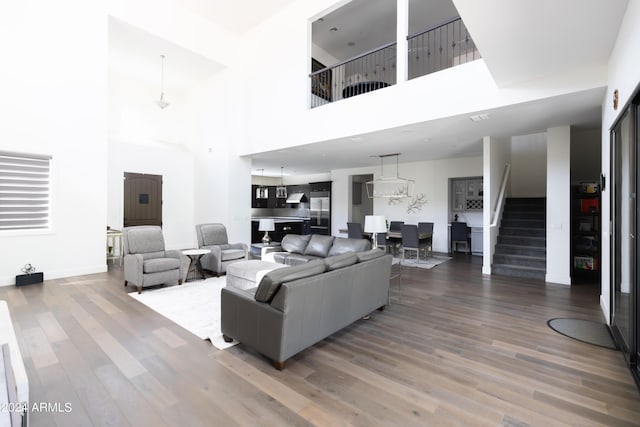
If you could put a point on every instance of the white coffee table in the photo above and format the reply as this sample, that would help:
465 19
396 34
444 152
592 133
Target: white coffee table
195 267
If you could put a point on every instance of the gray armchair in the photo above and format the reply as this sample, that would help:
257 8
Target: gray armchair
223 253
146 262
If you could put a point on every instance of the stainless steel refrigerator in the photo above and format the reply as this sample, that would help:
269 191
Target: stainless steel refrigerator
320 210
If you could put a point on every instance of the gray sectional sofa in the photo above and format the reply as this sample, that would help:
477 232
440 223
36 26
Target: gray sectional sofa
292 308
298 249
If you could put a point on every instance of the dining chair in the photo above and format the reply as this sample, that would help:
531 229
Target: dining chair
395 226
381 240
354 230
426 227
411 241
460 234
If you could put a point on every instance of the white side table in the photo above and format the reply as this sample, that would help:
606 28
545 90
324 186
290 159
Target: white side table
195 267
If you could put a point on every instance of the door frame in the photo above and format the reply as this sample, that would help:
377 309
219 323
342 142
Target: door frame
632 354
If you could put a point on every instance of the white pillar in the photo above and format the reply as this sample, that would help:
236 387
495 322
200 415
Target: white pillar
402 30
559 205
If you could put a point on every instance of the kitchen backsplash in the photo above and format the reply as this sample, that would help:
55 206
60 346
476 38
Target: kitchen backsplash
302 211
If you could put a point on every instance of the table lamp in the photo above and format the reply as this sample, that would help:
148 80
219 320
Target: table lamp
266 225
375 224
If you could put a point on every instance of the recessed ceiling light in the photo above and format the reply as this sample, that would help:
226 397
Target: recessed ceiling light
479 117
351 44
333 29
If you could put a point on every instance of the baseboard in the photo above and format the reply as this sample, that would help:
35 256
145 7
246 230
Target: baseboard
558 280
59 274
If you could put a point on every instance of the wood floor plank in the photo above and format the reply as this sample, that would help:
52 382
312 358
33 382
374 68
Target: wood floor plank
453 348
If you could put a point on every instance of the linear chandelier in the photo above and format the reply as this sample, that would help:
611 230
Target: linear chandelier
390 187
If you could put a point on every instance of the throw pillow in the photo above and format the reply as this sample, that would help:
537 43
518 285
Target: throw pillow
342 245
319 245
295 243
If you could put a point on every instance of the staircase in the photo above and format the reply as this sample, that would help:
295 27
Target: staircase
521 248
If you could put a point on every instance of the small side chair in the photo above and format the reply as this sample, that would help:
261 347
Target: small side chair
146 262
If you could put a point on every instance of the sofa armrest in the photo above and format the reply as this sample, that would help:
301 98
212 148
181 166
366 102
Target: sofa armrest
133 268
175 254
253 323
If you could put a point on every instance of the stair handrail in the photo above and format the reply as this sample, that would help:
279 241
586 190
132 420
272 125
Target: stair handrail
497 212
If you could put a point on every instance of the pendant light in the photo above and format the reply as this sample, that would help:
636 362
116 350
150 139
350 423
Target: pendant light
281 190
161 102
392 187
262 192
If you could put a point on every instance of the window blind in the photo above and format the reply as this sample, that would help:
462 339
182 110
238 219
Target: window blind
24 191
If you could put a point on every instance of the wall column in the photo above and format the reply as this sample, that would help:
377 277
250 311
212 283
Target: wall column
559 205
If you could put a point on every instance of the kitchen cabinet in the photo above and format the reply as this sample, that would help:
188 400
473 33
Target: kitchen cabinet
258 202
320 186
467 194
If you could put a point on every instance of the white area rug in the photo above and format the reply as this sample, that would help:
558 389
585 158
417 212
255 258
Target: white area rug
195 306
430 262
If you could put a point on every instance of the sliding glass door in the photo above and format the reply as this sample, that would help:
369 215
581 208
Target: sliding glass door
624 214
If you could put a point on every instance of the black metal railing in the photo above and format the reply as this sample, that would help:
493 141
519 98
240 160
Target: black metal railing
366 72
443 46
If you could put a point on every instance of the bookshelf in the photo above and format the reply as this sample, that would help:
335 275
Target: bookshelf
585 231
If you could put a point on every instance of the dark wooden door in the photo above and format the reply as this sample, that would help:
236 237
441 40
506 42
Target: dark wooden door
142 199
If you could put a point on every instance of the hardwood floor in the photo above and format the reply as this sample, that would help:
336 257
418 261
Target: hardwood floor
453 348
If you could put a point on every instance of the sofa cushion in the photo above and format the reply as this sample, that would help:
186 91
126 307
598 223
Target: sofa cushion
340 261
214 234
156 265
144 240
319 245
342 245
368 255
271 281
229 254
297 259
295 243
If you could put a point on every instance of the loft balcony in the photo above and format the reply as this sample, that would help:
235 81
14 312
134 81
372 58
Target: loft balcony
437 48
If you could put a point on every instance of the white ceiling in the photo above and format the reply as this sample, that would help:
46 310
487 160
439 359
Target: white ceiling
438 139
523 40
134 53
519 41
236 16
363 25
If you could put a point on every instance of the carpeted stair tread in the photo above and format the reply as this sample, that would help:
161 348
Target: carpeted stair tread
523 231
520 260
521 247
518 271
505 248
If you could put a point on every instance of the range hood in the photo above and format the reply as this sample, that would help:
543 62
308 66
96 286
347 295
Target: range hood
296 198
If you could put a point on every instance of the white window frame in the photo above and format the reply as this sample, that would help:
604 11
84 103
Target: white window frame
25 192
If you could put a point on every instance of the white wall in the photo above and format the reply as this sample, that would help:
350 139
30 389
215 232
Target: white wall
282 90
53 82
496 155
529 165
214 129
432 180
559 205
145 139
175 164
622 76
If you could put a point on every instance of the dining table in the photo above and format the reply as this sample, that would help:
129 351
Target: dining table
396 237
